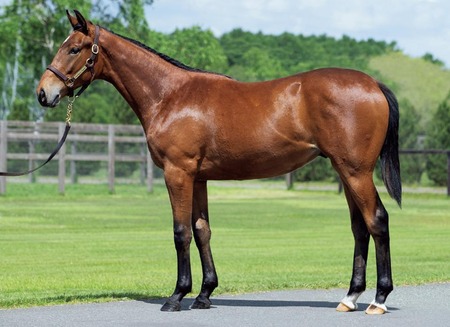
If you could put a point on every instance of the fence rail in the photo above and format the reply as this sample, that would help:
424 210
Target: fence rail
110 135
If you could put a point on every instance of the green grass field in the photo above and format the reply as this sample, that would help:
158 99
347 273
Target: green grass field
92 246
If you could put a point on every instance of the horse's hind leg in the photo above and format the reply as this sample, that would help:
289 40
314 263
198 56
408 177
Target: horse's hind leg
360 188
362 237
202 235
380 234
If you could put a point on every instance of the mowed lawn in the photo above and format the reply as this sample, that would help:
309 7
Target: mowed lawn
93 246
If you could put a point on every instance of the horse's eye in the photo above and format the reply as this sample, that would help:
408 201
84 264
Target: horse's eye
74 51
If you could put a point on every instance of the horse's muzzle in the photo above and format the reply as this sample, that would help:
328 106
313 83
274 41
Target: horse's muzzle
45 102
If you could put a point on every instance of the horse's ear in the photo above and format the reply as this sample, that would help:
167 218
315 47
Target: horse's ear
73 20
78 23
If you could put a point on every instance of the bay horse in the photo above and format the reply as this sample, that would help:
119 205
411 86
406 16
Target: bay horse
204 126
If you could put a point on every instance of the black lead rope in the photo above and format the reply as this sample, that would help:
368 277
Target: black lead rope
58 147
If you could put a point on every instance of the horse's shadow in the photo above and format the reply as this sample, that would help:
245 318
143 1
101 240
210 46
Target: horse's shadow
218 302
273 303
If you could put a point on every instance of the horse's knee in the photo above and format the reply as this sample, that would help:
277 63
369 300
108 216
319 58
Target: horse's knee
182 236
202 232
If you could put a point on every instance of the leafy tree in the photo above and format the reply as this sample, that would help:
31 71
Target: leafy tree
296 53
259 65
438 137
235 44
429 57
195 47
412 166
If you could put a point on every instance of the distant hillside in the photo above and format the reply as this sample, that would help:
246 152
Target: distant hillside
424 84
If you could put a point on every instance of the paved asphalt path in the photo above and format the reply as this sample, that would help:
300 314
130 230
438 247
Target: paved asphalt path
427 305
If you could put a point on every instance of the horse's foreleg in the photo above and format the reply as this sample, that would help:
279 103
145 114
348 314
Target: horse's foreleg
180 187
202 235
362 237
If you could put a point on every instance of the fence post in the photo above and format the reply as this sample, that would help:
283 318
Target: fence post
31 152
73 165
3 153
111 158
289 180
61 161
448 173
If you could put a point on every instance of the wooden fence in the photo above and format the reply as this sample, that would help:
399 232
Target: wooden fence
110 135
290 176
32 133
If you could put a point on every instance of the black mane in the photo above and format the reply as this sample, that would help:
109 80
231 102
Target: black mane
166 57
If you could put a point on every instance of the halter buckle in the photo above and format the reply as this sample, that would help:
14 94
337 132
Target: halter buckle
69 82
89 63
94 49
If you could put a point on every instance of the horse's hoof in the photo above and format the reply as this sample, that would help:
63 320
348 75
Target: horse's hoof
344 308
171 306
204 303
376 309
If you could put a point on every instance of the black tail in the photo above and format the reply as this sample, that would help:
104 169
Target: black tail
390 165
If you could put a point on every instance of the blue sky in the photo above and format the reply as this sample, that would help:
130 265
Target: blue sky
418 26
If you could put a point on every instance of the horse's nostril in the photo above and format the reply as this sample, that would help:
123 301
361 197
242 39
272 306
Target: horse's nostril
41 97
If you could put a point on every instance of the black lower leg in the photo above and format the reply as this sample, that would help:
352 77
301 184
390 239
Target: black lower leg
380 235
208 285
184 280
358 281
361 237
202 235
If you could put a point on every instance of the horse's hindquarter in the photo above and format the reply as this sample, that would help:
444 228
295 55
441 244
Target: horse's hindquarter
348 115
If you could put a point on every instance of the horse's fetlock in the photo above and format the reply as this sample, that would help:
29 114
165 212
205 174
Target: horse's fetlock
385 285
210 282
184 286
357 286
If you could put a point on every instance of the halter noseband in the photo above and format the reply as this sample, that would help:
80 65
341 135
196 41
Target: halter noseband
70 81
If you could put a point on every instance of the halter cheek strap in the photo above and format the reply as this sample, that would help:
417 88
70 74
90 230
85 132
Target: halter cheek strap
89 65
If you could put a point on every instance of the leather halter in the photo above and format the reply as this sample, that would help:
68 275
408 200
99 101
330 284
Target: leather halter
89 65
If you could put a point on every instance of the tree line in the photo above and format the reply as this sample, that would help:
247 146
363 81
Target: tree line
32 30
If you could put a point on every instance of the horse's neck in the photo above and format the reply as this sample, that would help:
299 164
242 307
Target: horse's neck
142 77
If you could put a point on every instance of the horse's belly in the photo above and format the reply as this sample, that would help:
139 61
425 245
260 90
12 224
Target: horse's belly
256 164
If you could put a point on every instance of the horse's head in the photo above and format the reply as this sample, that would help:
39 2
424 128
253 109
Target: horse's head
73 65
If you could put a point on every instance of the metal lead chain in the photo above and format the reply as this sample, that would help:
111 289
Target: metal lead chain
69 110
